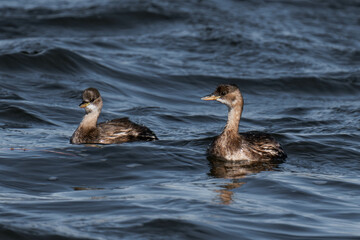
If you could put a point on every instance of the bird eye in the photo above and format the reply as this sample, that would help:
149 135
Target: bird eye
223 93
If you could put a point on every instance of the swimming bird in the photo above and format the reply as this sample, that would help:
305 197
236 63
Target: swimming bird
114 131
232 145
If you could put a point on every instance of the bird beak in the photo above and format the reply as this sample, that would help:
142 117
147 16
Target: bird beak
211 97
84 104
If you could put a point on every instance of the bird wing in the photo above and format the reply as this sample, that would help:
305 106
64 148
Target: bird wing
263 144
122 129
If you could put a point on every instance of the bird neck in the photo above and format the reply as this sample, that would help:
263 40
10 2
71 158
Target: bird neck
234 115
89 120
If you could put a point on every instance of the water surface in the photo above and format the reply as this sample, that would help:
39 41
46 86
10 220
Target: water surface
296 63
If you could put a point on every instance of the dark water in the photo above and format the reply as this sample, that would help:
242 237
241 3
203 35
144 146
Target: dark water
296 62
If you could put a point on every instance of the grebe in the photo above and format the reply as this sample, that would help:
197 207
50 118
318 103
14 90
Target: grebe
232 145
113 131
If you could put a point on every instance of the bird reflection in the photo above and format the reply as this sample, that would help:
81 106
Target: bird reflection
235 170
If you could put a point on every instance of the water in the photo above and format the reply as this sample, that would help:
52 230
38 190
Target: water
296 63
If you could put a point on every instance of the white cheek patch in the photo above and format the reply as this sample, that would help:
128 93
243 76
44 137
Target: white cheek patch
91 107
221 100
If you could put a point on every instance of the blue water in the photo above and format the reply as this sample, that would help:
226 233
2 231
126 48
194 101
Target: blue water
297 64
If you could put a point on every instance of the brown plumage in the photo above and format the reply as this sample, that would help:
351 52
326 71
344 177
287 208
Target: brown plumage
232 145
113 131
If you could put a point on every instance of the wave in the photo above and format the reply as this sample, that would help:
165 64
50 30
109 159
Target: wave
338 84
5 94
10 232
181 229
13 116
56 60
63 61
69 20
106 20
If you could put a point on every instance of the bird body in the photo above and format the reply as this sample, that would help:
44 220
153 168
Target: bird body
110 132
235 146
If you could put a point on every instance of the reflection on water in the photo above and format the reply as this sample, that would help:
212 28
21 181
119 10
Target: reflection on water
226 194
235 170
296 63
238 169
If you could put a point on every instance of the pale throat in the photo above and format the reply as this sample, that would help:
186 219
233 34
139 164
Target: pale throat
90 119
233 121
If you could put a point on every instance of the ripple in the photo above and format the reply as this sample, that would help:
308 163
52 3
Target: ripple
14 116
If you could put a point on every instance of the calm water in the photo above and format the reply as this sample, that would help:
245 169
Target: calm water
297 64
